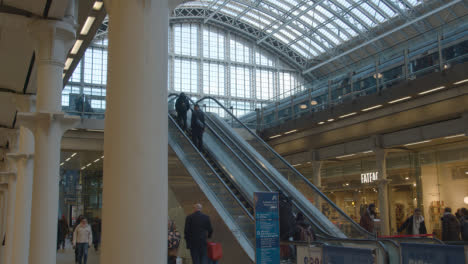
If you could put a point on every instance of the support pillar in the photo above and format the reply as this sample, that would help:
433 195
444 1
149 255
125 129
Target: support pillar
53 41
382 184
317 181
24 173
135 135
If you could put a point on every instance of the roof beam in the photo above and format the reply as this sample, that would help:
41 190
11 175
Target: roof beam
409 23
216 11
289 21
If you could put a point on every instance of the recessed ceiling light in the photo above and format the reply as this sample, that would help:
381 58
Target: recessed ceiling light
275 136
68 62
295 165
321 123
432 90
371 108
73 155
416 143
61 164
97 160
68 159
87 25
313 102
303 106
454 136
350 114
345 156
97 5
460 82
289 132
331 120
367 152
77 46
406 178
399 100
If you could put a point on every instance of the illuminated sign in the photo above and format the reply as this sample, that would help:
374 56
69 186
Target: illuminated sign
369 177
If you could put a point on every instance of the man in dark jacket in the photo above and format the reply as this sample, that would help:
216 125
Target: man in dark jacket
182 106
287 218
414 225
62 232
450 226
464 224
197 231
198 127
367 218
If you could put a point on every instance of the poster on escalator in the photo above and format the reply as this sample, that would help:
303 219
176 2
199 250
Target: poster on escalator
267 228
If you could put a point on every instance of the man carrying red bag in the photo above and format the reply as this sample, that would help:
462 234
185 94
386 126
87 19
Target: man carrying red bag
197 231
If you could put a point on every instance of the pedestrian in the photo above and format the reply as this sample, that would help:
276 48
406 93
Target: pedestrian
367 218
304 231
62 232
197 232
96 228
450 226
414 225
182 106
287 218
173 242
75 225
198 127
464 224
82 240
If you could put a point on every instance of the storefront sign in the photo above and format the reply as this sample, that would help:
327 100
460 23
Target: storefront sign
309 255
267 228
369 177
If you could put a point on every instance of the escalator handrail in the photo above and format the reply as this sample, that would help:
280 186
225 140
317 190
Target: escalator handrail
246 211
290 167
273 182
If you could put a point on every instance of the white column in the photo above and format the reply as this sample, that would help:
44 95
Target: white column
317 181
135 136
382 184
24 181
53 40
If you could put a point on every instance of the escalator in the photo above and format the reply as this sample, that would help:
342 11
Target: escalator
238 163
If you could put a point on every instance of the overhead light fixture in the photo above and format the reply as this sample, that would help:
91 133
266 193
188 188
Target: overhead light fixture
97 160
399 100
378 75
61 164
303 106
416 143
67 160
87 25
313 102
102 157
455 136
466 172
68 62
432 90
406 178
309 162
97 5
350 114
345 156
88 165
77 46
275 136
414 184
371 108
63 75
446 66
295 165
73 155
321 123
367 152
84 167
289 132
465 200
331 120
347 184
460 82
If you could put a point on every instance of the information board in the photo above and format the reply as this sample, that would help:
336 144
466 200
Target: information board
267 228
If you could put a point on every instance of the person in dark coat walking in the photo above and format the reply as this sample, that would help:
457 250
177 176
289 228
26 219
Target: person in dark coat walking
182 106
450 226
197 231
367 218
198 127
62 232
464 224
96 228
287 218
414 225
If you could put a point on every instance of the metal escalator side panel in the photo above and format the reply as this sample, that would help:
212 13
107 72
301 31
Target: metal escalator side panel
241 226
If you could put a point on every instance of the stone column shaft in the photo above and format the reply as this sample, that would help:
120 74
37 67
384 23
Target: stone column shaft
383 191
135 137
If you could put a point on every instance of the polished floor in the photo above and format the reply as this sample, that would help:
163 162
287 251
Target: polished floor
67 256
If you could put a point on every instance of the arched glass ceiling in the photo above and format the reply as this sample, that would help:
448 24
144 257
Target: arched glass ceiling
309 28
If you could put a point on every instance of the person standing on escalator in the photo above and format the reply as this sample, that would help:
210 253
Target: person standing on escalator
198 127
182 106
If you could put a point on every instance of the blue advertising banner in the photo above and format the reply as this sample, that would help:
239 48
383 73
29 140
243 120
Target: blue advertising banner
432 254
267 228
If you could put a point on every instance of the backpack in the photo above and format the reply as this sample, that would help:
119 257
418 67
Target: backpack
173 238
305 234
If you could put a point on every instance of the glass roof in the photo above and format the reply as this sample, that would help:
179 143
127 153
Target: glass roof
310 28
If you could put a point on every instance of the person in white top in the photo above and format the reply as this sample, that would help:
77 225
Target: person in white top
82 240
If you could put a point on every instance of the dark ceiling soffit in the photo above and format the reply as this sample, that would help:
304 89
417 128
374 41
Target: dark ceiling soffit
14 11
45 14
28 75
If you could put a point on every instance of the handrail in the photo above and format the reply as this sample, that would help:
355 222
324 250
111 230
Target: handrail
212 169
248 157
323 196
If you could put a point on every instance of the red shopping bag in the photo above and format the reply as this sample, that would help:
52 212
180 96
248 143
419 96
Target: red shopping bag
215 251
